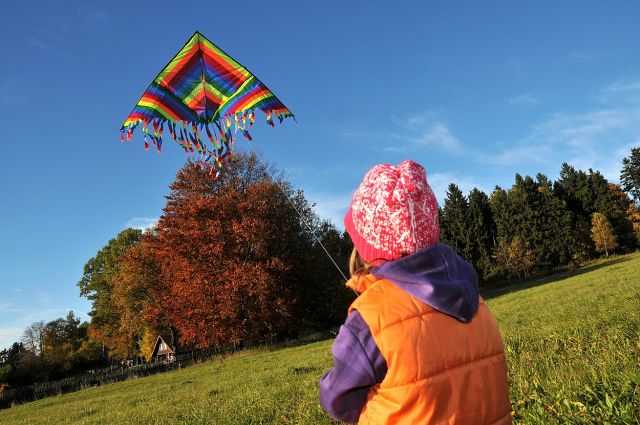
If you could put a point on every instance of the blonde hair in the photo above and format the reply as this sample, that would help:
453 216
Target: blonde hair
357 266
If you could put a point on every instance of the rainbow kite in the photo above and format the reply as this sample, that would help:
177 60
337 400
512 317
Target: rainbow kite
202 91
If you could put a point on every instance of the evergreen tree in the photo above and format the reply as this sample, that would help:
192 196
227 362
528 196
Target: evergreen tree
502 214
453 229
630 174
531 212
481 229
574 190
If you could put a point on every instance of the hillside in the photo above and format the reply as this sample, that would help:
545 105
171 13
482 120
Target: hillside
573 344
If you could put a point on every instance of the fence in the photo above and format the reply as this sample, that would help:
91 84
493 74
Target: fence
94 378
12 396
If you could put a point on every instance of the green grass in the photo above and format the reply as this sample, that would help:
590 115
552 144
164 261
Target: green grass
573 347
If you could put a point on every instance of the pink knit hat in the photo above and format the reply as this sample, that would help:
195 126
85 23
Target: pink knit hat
393 213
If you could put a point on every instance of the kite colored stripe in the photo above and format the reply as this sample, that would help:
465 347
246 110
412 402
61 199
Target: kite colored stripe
133 119
226 61
171 101
152 102
246 87
253 97
226 79
211 91
189 75
272 105
176 65
266 104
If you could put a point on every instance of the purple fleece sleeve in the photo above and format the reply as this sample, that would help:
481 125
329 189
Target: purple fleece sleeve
357 366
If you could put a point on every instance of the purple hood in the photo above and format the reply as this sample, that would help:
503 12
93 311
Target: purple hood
438 277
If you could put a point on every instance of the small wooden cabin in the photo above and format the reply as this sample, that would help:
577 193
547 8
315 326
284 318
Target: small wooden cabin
163 352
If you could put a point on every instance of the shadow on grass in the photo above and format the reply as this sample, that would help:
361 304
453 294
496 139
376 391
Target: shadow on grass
555 277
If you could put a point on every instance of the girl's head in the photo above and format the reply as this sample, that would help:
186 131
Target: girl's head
393 213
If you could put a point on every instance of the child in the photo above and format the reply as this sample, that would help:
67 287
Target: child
419 346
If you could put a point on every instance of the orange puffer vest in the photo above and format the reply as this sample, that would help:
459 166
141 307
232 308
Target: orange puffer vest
439 370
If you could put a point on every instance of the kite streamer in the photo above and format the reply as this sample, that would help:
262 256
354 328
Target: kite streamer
202 86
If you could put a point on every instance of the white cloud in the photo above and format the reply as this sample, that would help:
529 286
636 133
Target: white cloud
597 138
622 92
7 307
9 335
419 119
412 133
330 206
585 128
419 132
142 223
623 86
438 135
538 153
523 99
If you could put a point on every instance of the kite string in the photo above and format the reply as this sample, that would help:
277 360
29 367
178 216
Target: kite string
313 234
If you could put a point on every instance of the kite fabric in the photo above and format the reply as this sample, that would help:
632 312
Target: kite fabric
202 92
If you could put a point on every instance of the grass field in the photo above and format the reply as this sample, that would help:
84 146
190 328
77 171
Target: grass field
573 346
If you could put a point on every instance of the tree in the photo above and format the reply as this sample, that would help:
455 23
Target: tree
574 189
602 234
515 259
97 284
481 229
61 339
530 212
231 255
613 203
325 300
33 338
135 296
630 174
633 213
618 213
453 224
502 214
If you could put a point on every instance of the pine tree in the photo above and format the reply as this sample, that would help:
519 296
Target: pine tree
481 230
602 234
453 222
502 214
531 212
630 174
574 190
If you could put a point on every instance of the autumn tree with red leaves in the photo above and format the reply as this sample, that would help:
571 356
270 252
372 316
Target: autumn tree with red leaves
231 253
233 261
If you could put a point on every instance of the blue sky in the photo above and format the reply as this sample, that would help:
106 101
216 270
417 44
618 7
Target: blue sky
475 91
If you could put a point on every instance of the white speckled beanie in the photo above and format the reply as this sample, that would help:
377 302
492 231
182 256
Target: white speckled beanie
393 213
